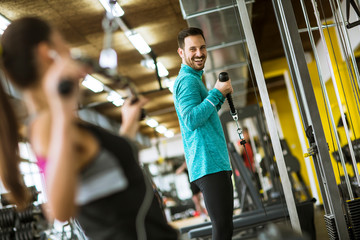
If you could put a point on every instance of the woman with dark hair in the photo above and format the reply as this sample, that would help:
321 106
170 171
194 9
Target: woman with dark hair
91 174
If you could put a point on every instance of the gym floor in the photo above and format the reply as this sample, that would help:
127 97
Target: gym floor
321 232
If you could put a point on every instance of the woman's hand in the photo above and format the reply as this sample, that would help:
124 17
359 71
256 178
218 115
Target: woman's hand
131 113
63 69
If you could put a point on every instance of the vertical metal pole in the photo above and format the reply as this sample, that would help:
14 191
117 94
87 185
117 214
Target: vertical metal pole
305 93
290 202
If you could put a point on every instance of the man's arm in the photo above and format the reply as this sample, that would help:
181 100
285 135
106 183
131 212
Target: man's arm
192 109
221 102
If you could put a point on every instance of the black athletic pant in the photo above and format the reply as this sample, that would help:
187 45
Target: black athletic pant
217 189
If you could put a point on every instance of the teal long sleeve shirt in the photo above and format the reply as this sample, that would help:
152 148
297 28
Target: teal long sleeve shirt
203 137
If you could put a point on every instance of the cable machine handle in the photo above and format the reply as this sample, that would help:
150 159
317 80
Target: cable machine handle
224 77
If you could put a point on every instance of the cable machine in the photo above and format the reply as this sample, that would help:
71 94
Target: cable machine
231 36
341 207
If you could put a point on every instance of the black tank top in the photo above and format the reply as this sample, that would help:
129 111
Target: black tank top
111 211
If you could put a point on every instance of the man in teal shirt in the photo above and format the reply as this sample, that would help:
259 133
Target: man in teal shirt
205 148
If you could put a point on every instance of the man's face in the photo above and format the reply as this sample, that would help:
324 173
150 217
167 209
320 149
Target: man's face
194 53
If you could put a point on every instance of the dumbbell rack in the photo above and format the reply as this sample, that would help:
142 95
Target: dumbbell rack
27 224
24 225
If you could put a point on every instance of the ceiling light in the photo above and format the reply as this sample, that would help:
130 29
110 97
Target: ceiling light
161 129
138 42
152 122
117 10
149 63
169 84
93 84
169 134
108 58
115 98
118 102
163 72
4 23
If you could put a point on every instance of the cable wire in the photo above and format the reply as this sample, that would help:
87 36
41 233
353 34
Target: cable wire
356 173
323 87
344 48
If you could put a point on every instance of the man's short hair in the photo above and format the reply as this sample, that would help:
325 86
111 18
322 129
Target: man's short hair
191 31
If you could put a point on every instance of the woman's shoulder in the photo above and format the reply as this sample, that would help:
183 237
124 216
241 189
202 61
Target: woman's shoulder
39 134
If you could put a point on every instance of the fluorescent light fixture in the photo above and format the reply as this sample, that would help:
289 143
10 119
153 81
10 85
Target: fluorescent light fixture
169 84
163 72
152 122
93 84
161 129
149 63
4 23
108 58
115 98
117 10
118 102
169 134
138 42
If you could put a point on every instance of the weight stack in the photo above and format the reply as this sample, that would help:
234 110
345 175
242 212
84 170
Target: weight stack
353 209
331 227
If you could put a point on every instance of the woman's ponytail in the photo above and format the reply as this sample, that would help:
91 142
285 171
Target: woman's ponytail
9 153
18 61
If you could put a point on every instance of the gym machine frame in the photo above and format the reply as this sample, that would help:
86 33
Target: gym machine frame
310 115
270 120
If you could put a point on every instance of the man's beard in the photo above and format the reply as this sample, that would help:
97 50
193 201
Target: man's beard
193 64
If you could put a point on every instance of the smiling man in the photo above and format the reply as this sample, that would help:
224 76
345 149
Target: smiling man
205 148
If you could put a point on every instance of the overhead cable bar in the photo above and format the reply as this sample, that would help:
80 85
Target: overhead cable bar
224 45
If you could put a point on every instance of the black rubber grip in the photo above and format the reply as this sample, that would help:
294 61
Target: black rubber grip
223 77
66 87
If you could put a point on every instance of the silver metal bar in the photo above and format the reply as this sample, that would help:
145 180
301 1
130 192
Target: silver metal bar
302 30
327 101
269 115
208 11
121 24
227 67
224 45
346 128
182 9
